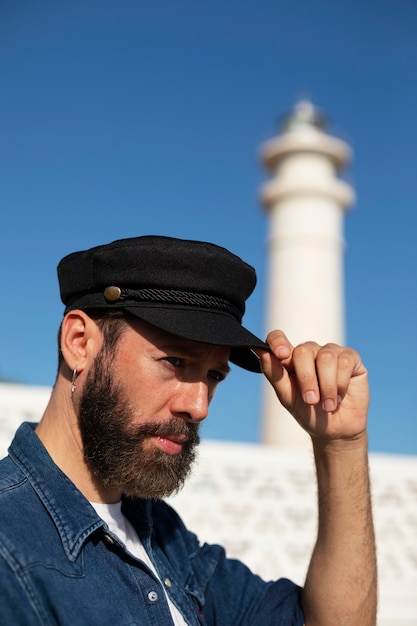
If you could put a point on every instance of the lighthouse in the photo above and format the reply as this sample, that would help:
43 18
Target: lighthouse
306 204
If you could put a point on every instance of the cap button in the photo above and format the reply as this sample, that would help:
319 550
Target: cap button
112 293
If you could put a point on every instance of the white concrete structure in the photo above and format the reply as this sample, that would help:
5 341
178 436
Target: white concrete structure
19 403
260 503
306 203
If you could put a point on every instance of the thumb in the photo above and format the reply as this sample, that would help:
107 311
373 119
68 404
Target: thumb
271 367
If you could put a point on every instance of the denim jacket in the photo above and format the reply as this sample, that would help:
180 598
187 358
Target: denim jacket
60 564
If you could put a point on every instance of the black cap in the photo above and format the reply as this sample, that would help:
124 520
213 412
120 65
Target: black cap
192 289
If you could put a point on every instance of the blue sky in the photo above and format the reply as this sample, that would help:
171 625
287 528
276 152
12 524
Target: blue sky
125 118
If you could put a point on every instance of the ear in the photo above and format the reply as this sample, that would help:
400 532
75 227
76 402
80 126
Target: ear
81 340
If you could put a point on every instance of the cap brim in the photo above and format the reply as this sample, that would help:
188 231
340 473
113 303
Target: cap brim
207 327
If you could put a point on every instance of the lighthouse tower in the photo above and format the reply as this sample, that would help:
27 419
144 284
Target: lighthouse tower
306 203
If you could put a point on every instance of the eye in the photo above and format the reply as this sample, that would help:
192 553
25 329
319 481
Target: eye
173 360
216 376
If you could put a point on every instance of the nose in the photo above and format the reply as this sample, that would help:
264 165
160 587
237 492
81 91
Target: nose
191 401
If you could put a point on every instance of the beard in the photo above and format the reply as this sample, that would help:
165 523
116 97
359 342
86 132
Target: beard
114 448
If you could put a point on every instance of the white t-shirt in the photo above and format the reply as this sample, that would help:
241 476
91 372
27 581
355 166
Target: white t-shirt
120 526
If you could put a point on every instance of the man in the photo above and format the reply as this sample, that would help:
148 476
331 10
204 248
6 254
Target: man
149 328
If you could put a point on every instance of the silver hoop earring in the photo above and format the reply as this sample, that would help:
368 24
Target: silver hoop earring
74 376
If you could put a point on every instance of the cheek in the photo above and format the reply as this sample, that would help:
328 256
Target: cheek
146 395
148 386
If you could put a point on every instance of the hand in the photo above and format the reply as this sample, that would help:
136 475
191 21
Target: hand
324 387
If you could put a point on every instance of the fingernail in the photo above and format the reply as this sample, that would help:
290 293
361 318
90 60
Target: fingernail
283 352
309 397
329 405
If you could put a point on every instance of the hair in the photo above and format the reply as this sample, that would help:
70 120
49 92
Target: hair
111 323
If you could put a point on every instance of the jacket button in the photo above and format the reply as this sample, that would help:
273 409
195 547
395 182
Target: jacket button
108 540
167 582
153 596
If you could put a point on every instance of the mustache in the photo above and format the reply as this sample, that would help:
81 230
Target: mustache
175 427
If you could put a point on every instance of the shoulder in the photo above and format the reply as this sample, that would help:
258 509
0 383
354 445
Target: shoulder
15 492
11 481
22 515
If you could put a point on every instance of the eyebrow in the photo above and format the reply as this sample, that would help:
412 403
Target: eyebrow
193 352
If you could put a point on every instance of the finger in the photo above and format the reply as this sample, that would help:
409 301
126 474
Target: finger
334 366
272 361
273 370
329 376
279 344
304 363
349 366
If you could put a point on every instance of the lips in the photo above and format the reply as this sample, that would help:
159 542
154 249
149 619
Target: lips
171 444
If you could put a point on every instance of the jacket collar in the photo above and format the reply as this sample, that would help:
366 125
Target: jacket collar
72 514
